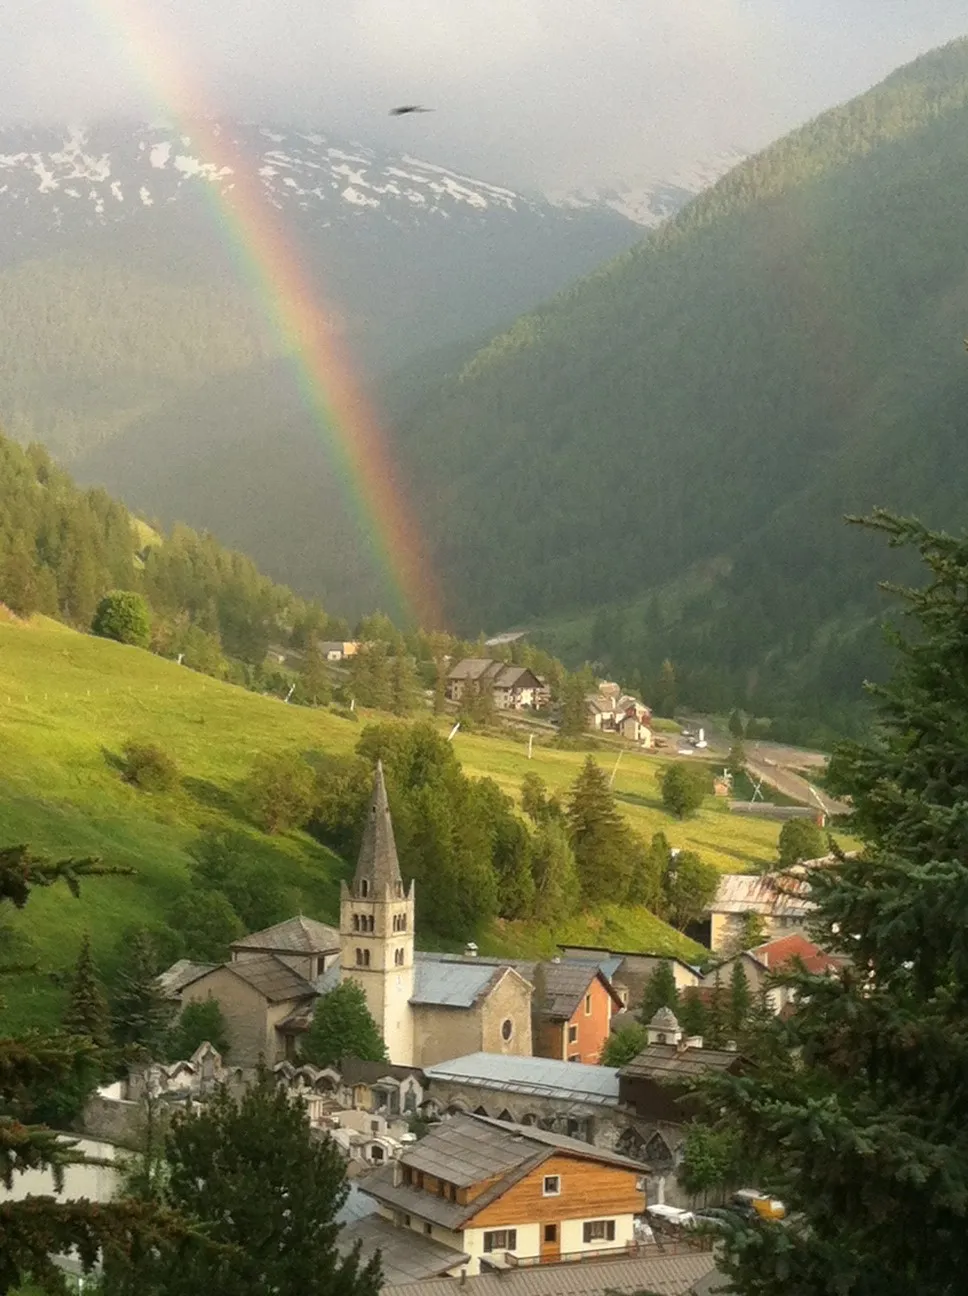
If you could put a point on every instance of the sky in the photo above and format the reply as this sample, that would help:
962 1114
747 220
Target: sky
552 94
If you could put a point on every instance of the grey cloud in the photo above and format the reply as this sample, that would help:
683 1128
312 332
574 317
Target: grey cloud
559 92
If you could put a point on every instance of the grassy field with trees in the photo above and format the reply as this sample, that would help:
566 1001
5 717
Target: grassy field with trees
71 703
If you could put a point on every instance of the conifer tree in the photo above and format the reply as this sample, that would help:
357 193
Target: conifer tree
599 836
34 1229
740 1000
404 686
265 1194
867 1102
692 1014
140 1013
556 884
314 681
87 1012
659 992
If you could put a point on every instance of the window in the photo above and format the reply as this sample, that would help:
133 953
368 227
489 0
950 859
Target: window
398 957
599 1231
588 1005
399 922
364 888
507 1029
428 1229
572 1034
551 1233
363 958
356 922
418 1179
407 1177
374 1127
376 1153
501 1240
551 1186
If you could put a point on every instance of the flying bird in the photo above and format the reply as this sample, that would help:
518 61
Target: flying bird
408 108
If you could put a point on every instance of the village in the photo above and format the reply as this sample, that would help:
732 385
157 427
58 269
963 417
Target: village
493 1140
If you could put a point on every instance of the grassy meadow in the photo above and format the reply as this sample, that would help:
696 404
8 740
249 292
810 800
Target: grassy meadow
69 702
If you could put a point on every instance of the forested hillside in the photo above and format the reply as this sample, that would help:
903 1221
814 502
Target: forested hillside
90 344
677 438
62 549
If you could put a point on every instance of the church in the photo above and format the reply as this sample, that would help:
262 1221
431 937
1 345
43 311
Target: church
428 1007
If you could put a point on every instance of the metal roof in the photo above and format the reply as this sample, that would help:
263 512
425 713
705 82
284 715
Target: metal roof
294 936
543 1077
451 984
406 1257
663 1275
766 893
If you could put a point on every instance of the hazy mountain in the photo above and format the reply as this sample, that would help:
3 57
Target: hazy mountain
113 241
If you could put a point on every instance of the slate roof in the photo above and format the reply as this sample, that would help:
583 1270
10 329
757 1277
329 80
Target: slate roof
406 1256
565 986
669 1063
543 1077
662 1275
377 862
271 977
474 668
773 894
467 1150
172 981
294 936
451 983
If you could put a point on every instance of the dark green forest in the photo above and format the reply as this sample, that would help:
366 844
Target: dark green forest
63 548
677 439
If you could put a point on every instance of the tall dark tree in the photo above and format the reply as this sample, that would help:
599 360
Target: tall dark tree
600 836
659 992
556 883
868 1104
683 788
315 685
87 1012
740 1000
265 1194
140 1013
573 712
31 1066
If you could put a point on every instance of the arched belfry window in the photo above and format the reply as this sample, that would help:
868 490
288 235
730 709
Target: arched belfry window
364 887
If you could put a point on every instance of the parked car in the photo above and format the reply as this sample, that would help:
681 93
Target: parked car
669 1219
759 1203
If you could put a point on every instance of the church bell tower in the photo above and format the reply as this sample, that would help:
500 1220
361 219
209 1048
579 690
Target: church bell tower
376 929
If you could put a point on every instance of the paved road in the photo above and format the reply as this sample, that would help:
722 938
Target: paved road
790 784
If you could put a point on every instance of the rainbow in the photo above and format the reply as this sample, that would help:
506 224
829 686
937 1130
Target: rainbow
269 265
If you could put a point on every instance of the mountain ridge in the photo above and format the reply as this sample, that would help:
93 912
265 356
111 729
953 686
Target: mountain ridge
727 389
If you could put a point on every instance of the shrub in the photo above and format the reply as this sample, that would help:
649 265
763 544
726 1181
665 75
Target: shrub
683 788
148 767
125 616
282 791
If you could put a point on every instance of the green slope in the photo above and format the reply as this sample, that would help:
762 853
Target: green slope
786 350
68 702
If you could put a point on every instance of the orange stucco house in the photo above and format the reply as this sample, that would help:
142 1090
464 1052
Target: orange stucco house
571 1011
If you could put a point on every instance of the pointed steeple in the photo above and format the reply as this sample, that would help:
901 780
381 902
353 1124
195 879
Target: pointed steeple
378 869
